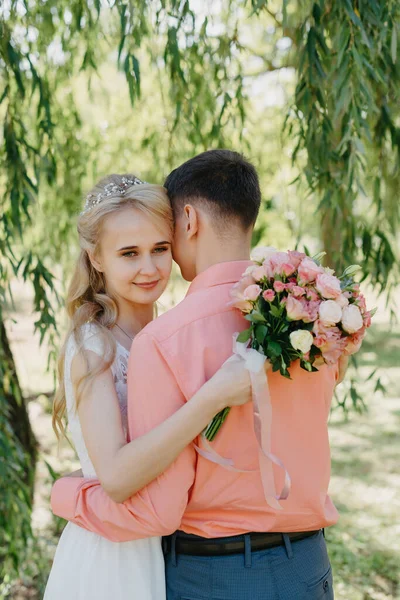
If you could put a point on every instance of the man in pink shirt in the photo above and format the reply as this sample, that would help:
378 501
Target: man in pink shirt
223 541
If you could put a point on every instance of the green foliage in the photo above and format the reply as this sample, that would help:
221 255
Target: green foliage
344 117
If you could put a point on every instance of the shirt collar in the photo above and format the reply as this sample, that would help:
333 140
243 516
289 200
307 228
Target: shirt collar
226 272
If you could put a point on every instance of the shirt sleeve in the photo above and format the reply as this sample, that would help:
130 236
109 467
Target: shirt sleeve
153 395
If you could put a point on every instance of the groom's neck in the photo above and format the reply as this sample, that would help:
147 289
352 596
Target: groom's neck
214 248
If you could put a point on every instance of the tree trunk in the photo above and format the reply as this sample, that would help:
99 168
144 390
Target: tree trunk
15 408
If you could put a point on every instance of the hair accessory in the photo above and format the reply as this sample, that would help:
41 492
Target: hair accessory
109 190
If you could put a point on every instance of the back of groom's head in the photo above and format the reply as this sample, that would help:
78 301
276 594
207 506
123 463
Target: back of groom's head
222 182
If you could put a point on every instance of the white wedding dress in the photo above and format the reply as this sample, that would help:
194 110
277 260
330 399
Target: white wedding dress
87 566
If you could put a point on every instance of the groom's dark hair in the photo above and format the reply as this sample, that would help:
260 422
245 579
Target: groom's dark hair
223 180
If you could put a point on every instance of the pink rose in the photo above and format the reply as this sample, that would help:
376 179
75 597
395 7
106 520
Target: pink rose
311 295
311 310
243 305
279 286
354 342
330 341
328 286
280 264
252 292
367 319
296 311
296 257
308 270
342 301
297 291
238 300
243 283
269 295
361 302
259 273
287 269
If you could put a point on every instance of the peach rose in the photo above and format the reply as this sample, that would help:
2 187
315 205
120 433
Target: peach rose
328 286
296 257
308 270
296 311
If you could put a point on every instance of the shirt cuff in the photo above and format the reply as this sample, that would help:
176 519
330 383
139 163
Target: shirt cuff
63 496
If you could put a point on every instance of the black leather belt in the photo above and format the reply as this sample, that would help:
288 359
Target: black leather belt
198 546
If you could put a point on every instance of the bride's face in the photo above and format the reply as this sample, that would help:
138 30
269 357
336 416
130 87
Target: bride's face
135 256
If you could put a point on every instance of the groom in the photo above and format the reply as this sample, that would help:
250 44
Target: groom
223 540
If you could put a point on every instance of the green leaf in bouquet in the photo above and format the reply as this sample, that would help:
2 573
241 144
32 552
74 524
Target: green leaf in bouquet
306 365
275 365
346 282
244 336
349 271
274 349
261 332
275 311
285 373
255 317
317 257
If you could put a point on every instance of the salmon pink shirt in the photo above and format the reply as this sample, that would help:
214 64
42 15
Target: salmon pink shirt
169 361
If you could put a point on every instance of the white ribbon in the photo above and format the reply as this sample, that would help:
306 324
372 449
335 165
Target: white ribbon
262 414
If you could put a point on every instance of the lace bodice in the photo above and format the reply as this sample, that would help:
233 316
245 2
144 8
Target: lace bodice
92 341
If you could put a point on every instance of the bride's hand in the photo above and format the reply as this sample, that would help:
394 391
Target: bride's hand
231 384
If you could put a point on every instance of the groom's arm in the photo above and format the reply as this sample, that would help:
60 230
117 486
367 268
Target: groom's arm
153 395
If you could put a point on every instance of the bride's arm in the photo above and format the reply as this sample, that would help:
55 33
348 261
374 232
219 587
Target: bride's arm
123 469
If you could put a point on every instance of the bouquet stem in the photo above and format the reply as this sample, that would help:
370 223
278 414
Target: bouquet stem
213 428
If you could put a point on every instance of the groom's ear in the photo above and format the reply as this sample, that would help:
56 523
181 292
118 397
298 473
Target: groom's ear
191 221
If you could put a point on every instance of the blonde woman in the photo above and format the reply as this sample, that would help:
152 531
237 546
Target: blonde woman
125 234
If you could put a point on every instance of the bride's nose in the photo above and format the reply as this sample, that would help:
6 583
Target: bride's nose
148 266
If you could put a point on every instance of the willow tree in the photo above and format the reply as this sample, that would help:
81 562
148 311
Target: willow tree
200 57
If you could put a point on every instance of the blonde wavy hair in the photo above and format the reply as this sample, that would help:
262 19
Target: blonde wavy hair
87 298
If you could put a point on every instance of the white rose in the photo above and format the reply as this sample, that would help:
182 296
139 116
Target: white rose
301 340
352 320
330 312
262 253
329 271
250 270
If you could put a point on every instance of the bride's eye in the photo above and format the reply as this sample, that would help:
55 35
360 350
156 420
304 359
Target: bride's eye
130 253
160 249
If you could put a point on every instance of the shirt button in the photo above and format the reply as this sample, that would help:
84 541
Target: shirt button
326 585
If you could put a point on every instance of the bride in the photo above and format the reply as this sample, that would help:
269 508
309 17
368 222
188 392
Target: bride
125 234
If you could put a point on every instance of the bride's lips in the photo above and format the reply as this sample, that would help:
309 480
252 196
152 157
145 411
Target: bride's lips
148 286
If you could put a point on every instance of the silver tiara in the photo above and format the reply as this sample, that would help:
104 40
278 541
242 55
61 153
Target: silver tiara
109 190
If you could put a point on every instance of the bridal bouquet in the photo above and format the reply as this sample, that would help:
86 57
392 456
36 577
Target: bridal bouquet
297 310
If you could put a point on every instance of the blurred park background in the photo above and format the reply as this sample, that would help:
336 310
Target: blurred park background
308 91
